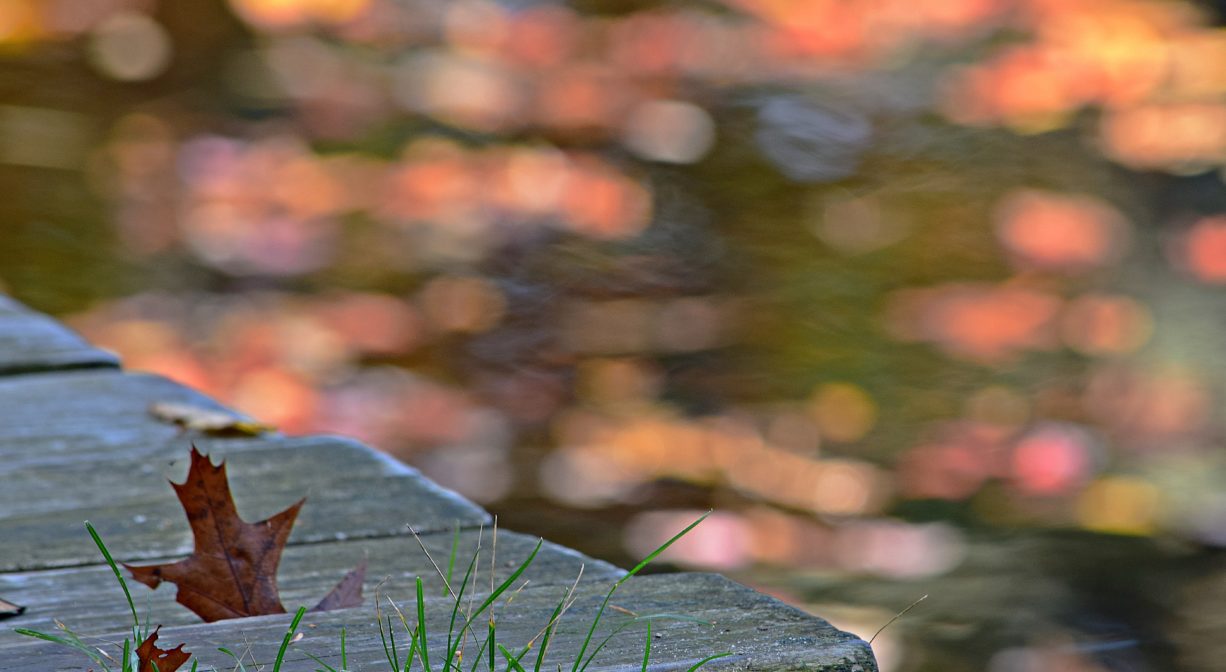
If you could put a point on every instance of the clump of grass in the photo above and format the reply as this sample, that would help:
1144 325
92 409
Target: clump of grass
461 627
491 654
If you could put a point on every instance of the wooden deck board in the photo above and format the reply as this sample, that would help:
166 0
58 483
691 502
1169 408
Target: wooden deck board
134 530
762 633
30 341
101 456
90 601
75 417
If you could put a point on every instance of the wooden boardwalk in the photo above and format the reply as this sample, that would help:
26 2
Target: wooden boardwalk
77 442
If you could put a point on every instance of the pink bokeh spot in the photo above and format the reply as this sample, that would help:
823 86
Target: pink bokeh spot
1051 460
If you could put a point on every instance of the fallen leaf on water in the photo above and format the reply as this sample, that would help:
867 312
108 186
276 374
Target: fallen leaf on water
8 609
232 571
166 660
207 420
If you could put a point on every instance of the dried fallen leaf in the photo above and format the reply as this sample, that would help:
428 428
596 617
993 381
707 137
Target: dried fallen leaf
347 593
232 571
166 660
207 420
8 609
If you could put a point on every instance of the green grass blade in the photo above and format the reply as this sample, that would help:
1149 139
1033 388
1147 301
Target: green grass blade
423 650
587 640
289 634
70 642
553 623
344 657
478 658
455 550
115 569
492 640
393 658
237 660
637 568
408 662
454 642
502 587
663 547
639 619
663 616
603 643
708 659
327 667
647 648
512 661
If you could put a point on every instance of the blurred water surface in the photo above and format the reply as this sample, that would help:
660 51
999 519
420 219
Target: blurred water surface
920 297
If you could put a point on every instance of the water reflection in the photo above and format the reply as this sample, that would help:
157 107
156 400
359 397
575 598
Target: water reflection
920 297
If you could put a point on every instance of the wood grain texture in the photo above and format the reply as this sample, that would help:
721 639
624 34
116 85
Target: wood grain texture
90 601
83 417
82 446
721 616
31 341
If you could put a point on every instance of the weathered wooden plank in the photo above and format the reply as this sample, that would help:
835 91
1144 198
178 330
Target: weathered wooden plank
271 463
84 416
760 632
338 509
90 601
30 342
82 445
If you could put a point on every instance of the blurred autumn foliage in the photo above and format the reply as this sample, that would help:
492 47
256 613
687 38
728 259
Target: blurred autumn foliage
842 264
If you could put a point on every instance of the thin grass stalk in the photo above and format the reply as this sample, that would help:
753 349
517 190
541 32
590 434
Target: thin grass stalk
708 659
73 642
637 568
289 635
327 667
647 647
423 651
454 642
480 655
512 661
492 641
455 550
118 577
437 570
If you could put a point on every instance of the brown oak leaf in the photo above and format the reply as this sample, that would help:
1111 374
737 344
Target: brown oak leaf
232 571
166 660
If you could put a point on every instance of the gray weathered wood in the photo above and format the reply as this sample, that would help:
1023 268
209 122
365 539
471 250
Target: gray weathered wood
760 632
351 493
30 341
60 419
90 601
82 445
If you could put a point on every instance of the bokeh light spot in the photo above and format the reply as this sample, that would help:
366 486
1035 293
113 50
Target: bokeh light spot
1052 459
1119 505
130 47
1061 232
669 131
844 412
